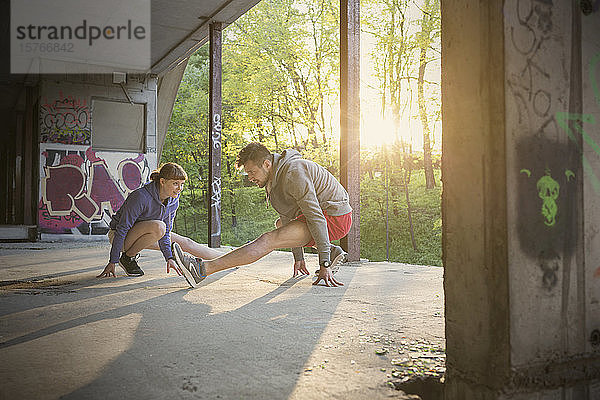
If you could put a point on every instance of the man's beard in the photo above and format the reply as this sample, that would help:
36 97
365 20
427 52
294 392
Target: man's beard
263 184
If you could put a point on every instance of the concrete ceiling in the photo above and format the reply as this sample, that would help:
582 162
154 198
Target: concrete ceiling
180 27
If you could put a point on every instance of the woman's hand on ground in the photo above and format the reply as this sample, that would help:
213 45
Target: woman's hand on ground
300 267
172 264
108 271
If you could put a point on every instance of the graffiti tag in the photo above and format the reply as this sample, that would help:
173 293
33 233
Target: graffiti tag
65 120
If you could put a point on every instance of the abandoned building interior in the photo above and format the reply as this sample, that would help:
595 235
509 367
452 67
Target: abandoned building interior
520 169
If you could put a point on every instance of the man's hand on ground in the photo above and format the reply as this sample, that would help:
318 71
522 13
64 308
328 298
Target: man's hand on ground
300 266
171 264
326 275
108 271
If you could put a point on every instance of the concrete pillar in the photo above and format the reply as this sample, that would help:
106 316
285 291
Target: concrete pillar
519 203
350 118
30 149
214 138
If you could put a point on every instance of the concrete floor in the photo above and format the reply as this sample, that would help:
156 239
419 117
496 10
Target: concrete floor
252 332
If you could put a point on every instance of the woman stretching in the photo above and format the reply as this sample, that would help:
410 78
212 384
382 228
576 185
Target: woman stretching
144 221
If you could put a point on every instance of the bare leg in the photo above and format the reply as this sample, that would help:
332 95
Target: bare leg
196 249
294 234
192 247
141 235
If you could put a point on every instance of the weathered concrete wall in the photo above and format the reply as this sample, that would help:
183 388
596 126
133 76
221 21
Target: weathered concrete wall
544 182
521 199
591 190
552 198
168 85
80 188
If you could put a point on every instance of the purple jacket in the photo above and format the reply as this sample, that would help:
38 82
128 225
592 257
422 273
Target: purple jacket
143 204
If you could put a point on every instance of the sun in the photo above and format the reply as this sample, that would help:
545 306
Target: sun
377 131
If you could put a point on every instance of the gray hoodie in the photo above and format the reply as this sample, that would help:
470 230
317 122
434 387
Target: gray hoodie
301 186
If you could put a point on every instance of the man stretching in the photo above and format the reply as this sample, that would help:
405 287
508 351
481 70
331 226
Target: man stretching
313 209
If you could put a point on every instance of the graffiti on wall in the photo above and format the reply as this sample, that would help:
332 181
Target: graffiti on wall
548 173
552 168
78 189
565 120
546 210
548 191
528 87
65 120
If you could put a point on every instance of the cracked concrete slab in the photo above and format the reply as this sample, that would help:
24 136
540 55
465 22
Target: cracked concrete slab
252 332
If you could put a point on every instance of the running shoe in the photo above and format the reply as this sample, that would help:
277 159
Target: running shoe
130 265
192 268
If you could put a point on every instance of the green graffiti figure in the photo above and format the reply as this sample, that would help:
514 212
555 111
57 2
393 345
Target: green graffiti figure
569 174
548 190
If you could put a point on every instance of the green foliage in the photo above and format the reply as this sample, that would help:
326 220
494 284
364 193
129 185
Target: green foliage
400 30
389 165
280 69
254 217
280 76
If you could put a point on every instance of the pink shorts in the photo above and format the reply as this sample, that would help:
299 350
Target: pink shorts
337 226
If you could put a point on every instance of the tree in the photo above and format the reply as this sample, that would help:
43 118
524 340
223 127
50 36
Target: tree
401 56
430 30
281 73
386 21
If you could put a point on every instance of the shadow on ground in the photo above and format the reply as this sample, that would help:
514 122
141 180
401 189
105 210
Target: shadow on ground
251 332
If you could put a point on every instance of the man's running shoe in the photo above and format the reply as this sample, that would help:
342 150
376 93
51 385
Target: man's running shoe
191 267
130 265
337 255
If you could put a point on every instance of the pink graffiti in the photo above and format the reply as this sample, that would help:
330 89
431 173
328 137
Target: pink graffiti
65 120
57 223
73 193
91 155
597 273
72 159
104 189
63 192
130 174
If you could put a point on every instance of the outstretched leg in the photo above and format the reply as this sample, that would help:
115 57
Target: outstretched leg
196 249
294 234
190 246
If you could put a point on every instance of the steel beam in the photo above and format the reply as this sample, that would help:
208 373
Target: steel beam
350 118
214 137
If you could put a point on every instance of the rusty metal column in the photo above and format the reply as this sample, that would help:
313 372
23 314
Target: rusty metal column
350 118
214 137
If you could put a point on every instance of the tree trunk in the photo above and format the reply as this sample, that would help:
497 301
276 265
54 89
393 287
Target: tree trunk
232 195
424 44
185 226
407 174
410 223
274 130
191 186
